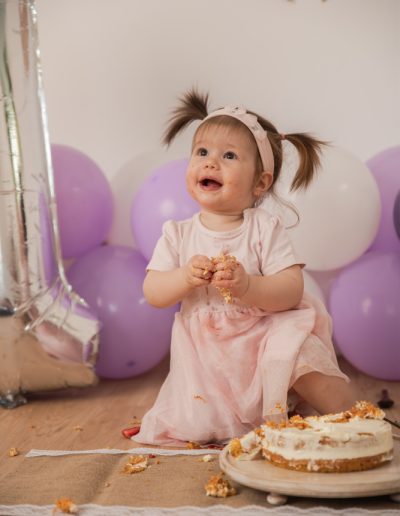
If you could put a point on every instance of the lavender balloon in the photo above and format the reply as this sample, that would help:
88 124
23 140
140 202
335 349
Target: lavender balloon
162 196
385 167
396 215
84 201
134 336
365 308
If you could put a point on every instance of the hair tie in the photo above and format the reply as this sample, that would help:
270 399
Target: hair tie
259 133
282 136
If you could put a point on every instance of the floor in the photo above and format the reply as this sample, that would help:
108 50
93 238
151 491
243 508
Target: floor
94 417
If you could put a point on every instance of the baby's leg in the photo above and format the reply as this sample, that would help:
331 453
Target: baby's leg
326 394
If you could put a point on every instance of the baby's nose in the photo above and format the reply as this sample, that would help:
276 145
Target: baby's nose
211 163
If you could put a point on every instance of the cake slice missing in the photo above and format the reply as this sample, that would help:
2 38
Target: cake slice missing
354 440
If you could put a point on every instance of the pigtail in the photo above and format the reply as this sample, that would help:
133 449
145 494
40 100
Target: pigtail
309 150
193 106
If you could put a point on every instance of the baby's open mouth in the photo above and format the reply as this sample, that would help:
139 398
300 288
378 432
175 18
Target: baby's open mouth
208 183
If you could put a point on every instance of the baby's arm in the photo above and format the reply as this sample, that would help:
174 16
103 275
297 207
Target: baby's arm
275 293
166 288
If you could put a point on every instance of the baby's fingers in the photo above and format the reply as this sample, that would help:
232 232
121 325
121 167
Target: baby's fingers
201 270
230 265
222 275
200 273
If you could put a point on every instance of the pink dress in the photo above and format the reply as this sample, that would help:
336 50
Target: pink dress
233 364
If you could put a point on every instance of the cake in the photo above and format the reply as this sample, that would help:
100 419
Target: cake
354 440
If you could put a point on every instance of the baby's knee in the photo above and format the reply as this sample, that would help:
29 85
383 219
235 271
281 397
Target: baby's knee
327 394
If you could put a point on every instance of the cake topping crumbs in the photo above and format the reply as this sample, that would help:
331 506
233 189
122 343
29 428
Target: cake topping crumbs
13 452
191 445
367 410
136 464
279 407
207 458
259 432
235 447
361 410
385 402
297 422
219 487
294 422
66 505
226 294
228 261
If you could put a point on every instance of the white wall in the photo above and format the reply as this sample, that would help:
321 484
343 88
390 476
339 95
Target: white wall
113 69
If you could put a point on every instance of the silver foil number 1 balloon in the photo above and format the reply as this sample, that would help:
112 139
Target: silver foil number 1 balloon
48 336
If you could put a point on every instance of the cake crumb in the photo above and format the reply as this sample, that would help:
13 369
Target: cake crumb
198 397
207 458
191 445
65 505
235 447
136 464
77 428
218 487
279 407
226 259
13 452
226 294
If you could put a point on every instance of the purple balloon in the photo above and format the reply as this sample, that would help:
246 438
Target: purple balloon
396 215
84 201
385 167
163 196
365 308
134 336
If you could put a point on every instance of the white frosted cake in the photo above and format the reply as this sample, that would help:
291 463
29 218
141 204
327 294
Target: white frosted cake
354 440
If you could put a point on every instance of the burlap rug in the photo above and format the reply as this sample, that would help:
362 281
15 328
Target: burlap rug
169 482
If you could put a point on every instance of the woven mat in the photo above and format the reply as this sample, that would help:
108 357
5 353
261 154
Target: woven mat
170 482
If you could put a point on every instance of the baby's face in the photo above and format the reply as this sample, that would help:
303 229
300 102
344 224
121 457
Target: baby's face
221 171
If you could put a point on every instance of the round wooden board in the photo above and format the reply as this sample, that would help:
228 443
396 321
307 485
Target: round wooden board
262 475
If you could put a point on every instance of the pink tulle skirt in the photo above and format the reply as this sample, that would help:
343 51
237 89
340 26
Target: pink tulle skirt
232 367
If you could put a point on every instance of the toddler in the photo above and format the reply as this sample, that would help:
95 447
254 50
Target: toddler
235 357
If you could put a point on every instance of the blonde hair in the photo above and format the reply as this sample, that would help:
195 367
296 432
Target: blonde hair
194 106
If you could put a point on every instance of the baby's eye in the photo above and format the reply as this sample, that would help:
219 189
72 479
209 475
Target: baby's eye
202 151
230 155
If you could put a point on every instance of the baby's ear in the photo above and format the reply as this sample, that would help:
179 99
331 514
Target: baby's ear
263 184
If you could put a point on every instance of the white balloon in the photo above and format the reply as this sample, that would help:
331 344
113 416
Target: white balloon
311 287
125 183
339 212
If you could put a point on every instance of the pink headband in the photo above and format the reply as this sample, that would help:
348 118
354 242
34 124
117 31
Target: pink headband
251 122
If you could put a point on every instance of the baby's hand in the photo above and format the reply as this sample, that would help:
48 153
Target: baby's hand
199 271
231 275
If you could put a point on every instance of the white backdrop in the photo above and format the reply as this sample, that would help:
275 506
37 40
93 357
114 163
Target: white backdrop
113 69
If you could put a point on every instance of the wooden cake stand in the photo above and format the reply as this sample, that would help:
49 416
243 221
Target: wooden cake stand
281 483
